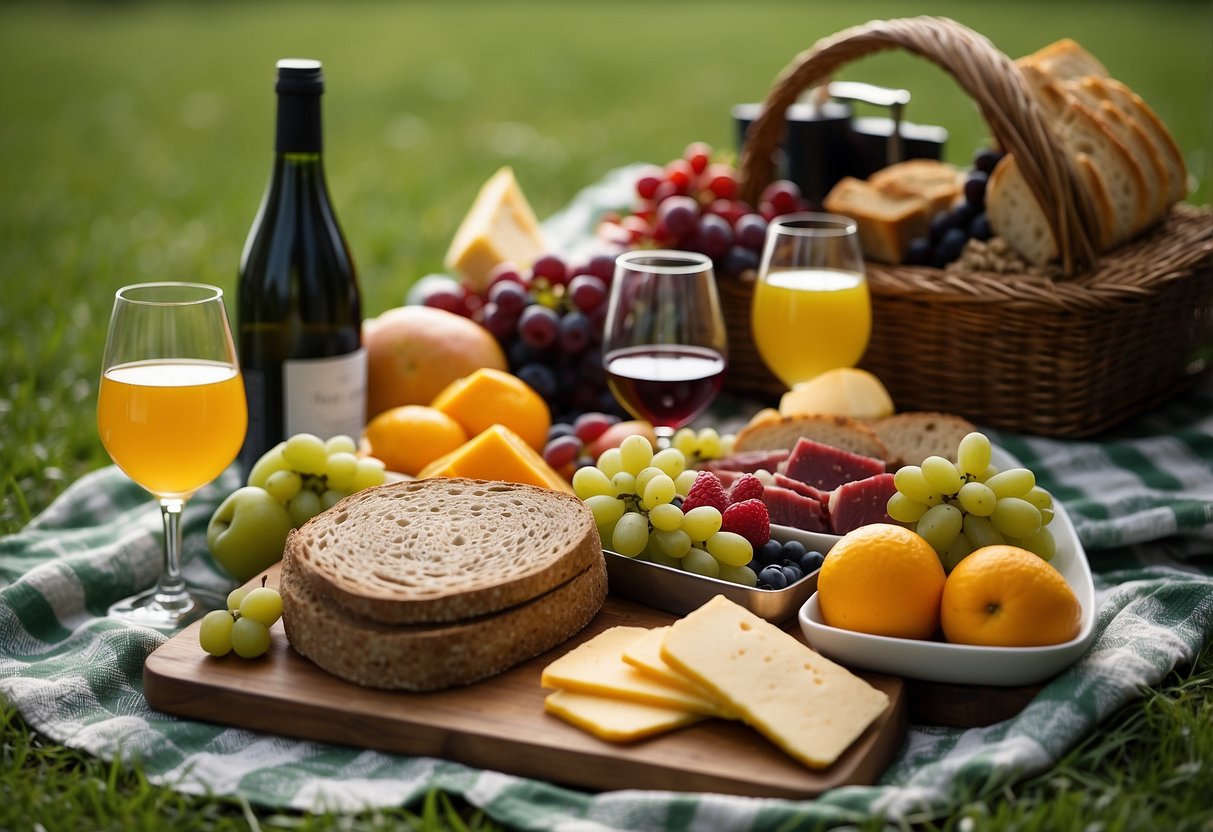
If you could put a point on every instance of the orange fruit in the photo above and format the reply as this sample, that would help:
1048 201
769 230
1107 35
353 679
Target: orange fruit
487 397
884 580
413 352
410 437
1004 596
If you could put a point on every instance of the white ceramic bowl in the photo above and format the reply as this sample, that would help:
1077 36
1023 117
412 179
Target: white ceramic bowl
963 663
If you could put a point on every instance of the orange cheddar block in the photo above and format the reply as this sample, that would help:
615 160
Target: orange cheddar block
497 453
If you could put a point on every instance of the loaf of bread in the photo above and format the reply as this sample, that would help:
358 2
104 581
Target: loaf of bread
1128 162
837 431
937 182
444 549
425 657
887 221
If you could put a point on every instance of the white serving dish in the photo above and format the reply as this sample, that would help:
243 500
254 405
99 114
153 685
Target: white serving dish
938 661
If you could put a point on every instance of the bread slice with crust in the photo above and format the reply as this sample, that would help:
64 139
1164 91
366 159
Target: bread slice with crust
1065 58
837 431
1137 109
425 657
913 436
444 549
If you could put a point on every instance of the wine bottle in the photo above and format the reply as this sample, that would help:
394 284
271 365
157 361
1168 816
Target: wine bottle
299 304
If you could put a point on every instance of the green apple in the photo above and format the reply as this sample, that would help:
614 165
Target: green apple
247 532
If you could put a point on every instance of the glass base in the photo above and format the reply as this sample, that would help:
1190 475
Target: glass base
166 611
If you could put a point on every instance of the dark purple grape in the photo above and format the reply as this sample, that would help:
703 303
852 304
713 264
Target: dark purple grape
979 227
506 272
497 320
576 333
559 429
587 292
519 352
552 268
985 160
751 231
783 195
952 244
602 266
540 378
740 259
538 325
680 216
918 253
940 223
975 188
509 296
561 451
447 299
715 236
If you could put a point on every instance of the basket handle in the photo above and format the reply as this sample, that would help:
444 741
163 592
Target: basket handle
988 76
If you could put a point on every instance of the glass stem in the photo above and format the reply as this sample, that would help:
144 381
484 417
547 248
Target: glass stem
171 592
665 437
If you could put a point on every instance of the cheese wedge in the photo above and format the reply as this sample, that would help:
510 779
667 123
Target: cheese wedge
497 453
616 720
597 667
499 227
809 706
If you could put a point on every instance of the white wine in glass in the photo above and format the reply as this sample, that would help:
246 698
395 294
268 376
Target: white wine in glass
172 415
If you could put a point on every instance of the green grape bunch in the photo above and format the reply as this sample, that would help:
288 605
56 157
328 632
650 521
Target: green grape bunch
632 493
244 627
963 506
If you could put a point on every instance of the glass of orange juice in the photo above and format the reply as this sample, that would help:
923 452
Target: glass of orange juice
172 415
811 310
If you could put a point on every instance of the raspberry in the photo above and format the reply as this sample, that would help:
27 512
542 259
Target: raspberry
750 519
706 491
745 487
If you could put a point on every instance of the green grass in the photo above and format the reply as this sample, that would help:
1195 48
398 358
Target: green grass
136 138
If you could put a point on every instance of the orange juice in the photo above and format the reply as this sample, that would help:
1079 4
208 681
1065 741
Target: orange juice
807 321
172 425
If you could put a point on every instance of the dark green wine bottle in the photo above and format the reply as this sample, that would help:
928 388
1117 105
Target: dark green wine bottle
299 305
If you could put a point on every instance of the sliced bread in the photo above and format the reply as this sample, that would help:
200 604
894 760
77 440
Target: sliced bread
444 549
423 657
1065 58
937 182
913 436
1148 120
887 221
837 431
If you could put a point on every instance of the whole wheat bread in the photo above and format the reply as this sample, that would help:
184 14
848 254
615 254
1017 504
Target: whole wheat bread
913 436
837 431
444 549
422 657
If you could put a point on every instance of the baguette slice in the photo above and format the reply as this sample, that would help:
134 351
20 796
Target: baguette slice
1064 58
837 431
1148 120
913 436
423 657
444 549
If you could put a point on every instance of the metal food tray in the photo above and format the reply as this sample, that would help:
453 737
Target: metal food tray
678 592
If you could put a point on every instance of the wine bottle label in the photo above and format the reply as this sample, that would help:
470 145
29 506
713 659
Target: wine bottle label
325 396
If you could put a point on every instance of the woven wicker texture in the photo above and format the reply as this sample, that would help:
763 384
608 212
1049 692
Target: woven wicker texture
1069 356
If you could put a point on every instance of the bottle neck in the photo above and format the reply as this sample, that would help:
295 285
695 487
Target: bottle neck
299 126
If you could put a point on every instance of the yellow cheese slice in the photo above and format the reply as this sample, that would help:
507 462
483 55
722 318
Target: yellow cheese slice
499 227
597 667
809 706
644 654
617 720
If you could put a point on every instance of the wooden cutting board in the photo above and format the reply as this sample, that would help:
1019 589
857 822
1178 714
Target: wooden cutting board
500 723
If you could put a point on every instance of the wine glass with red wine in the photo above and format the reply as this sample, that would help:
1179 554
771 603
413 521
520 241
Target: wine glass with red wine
664 344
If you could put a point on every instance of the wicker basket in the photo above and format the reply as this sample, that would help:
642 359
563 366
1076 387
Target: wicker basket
1055 357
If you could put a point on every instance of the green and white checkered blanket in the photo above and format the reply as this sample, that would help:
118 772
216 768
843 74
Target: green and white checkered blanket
1141 500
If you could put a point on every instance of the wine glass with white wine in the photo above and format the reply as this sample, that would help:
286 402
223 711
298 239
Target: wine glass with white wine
172 415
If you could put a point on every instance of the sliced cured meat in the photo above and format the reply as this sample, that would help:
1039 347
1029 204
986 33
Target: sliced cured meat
746 462
860 503
825 467
787 508
802 488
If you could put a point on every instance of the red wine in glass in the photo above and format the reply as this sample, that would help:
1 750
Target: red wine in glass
666 385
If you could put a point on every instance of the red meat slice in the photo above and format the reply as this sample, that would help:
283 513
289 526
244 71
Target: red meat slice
802 488
746 462
825 467
860 503
787 508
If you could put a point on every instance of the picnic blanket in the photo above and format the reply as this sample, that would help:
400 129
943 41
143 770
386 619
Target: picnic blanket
1141 499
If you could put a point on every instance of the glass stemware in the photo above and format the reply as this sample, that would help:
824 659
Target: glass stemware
811 310
664 344
172 415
